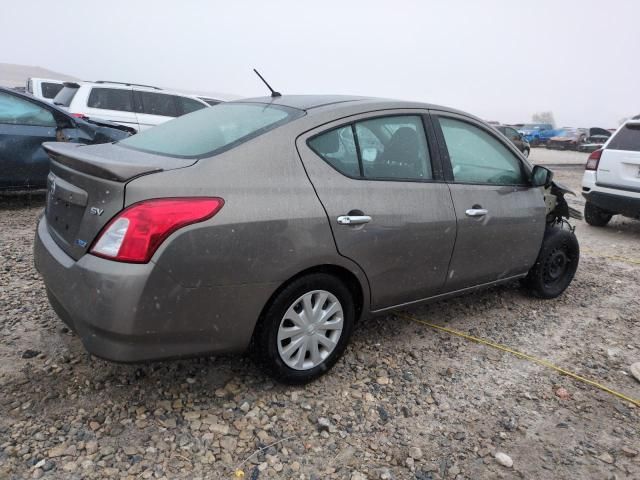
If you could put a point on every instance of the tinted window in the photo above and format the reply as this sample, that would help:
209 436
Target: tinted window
50 90
188 105
17 111
478 157
212 130
65 96
337 147
158 104
110 99
394 147
628 138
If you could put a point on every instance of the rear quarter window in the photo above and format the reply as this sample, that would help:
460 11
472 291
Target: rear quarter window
158 104
627 138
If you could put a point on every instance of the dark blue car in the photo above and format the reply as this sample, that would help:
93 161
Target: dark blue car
26 122
538 133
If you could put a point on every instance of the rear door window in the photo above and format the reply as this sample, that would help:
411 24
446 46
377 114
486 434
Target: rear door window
627 138
50 90
384 148
158 104
394 148
478 157
17 111
111 99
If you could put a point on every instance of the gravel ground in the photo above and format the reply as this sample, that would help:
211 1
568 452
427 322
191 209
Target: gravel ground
406 402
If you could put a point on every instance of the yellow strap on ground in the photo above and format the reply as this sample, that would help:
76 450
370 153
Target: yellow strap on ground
521 355
611 257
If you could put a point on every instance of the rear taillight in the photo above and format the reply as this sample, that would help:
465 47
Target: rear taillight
79 115
136 233
593 160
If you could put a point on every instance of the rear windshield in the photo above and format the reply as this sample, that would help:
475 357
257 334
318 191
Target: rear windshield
212 130
65 96
628 138
50 90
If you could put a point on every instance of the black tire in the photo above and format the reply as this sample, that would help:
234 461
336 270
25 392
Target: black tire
556 264
265 338
595 216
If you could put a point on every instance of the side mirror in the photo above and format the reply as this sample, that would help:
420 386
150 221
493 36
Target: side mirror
541 176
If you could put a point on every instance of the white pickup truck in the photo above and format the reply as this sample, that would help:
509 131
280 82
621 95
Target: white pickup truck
611 182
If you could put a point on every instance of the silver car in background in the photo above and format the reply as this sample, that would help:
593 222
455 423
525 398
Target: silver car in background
273 224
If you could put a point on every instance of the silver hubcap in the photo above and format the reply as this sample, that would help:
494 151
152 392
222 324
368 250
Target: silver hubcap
310 330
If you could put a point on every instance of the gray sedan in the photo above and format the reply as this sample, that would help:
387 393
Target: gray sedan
273 224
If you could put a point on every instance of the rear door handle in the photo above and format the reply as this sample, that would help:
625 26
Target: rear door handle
476 212
353 219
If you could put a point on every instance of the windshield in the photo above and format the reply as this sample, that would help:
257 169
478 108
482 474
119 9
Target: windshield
212 130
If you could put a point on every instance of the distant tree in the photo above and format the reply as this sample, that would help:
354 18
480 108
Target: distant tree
543 117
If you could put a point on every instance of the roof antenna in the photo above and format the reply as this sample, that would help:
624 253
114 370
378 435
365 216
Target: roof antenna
274 94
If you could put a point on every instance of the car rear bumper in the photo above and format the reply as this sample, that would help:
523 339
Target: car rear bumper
137 312
619 204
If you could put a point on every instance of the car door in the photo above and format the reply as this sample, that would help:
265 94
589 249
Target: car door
387 204
154 108
24 125
501 218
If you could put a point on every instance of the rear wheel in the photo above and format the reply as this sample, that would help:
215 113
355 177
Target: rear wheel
305 329
556 264
596 216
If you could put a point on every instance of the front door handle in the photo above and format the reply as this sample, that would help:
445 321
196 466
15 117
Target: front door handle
353 219
476 212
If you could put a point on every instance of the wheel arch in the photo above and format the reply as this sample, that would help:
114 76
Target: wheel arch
355 285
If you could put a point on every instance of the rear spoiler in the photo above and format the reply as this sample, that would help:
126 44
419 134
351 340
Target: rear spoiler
72 155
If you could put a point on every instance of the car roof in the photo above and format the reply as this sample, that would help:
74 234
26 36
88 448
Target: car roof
310 102
35 99
135 86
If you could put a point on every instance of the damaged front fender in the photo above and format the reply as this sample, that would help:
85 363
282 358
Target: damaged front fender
557 206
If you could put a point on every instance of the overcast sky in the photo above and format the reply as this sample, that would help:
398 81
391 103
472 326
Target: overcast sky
501 60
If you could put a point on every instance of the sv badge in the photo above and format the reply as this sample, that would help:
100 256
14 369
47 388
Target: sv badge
96 211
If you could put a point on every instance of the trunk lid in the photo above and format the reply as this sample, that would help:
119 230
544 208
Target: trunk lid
86 188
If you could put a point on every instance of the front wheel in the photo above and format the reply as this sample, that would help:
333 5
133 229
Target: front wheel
305 329
595 216
556 264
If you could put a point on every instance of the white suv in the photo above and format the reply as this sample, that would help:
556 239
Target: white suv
137 106
611 182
